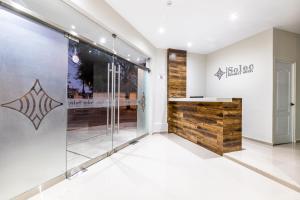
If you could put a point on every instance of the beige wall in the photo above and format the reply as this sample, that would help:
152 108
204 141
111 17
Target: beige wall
255 88
287 48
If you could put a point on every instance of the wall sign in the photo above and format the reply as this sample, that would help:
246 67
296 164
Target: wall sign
234 71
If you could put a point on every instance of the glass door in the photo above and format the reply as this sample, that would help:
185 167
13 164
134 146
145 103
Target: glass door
89 82
129 103
106 104
126 112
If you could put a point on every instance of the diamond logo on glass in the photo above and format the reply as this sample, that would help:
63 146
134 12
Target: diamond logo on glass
35 104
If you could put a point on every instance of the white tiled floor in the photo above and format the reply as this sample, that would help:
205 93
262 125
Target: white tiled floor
166 167
281 161
85 144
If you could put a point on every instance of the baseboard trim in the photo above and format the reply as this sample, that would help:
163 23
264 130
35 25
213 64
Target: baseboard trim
160 127
259 141
160 132
265 174
36 190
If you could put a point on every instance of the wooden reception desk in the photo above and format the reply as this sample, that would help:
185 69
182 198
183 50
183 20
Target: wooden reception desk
214 123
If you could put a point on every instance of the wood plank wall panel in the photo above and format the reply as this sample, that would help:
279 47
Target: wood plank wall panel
176 73
213 125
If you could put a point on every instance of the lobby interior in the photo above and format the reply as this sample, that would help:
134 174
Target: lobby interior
160 99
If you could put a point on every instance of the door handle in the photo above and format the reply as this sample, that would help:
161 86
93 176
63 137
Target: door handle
113 99
292 104
108 97
119 93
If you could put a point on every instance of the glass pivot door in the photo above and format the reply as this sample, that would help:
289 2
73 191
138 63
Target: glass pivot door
126 107
106 101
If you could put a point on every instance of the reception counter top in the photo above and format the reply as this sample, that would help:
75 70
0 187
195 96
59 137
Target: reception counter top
214 123
206 99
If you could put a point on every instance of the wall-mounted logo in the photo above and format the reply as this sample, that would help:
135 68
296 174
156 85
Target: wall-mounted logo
219 74
35 104
234 71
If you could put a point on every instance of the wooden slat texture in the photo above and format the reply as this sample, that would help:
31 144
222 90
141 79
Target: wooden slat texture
176 73
213 125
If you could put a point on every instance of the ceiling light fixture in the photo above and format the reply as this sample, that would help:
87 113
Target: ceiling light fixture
233 16
189 44
103 40
75 57
161 30
73 27
128 55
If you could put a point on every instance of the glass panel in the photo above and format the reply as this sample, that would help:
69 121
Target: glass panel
141 103
87 135
56 11
126 126
33 72
131 123
128 52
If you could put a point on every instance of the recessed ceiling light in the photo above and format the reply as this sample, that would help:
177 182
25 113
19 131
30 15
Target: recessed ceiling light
138 59
161 30
73 27
189 44
128 55
103 40
233 16
128 59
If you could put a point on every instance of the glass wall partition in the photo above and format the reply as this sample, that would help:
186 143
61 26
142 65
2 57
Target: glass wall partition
33 120
59 94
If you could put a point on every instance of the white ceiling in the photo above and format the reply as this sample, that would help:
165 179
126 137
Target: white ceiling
206 23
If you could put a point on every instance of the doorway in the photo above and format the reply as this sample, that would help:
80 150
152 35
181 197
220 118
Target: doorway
106 104
285 107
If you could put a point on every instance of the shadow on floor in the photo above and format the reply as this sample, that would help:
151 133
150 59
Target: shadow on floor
191 147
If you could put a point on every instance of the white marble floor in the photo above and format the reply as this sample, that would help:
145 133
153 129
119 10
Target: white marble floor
166 167
281 162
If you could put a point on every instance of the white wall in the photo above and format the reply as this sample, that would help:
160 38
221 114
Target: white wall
287 48
196 74
159 79
255 88
298 91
